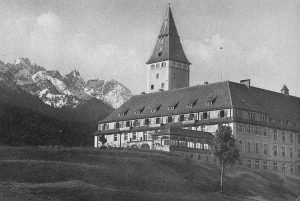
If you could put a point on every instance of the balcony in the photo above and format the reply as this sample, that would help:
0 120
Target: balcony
192 121
125 128
155 125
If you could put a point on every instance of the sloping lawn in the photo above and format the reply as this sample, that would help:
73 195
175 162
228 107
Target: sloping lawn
89 174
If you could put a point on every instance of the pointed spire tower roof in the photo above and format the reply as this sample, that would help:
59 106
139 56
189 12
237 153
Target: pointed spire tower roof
168 45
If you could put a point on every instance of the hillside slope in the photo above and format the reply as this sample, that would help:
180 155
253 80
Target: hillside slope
90 174
26 120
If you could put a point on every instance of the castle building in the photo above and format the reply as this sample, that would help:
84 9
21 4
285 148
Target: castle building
174 117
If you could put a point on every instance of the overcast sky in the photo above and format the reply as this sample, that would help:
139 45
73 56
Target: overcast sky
260 39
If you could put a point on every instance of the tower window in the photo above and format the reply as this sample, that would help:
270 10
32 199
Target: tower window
157 76
152 86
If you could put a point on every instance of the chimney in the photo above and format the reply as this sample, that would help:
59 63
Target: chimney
246 82
284 90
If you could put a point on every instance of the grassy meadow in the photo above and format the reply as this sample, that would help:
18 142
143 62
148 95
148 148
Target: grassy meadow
73 174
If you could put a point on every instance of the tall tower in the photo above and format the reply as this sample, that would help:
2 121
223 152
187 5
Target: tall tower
168 68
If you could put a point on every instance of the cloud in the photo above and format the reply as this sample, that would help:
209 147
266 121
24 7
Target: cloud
220 56
49 22
105 60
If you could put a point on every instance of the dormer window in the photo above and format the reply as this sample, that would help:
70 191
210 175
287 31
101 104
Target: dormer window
210 101
171 108
122 114
155 108
139 111
189 105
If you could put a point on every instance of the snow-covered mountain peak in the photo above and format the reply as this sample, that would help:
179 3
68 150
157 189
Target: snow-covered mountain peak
59 91
22 60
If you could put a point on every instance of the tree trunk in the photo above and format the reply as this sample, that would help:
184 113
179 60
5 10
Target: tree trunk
222 175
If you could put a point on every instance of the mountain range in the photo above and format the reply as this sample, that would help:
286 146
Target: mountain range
60 91
42 107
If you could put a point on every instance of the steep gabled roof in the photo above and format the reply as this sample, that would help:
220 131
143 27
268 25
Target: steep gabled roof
168 45
181 97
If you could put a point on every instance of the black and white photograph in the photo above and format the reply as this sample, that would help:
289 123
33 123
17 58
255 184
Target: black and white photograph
149 100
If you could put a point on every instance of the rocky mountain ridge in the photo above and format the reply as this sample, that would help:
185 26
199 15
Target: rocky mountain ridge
59 91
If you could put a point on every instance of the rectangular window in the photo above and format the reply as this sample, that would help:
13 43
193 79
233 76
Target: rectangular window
256 130
127 123
145 136
291 138
240 128
283 167
238 113
170 119
191 144
283 136
292 168
265 166
275 150
248 129
181 118
240 147
275 134
222 113
157 120
126 136
115 137
162 85
256 165
205 116
275 166
152 86
265 132
147 122
157 76
291 152
256 148
136 122
134 136
265 149
248 147
249 163
283 151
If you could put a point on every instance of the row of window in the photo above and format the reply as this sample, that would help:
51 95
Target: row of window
167 119
172 64
263 117
275 165
256 149
266 132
